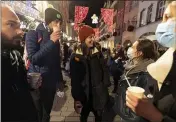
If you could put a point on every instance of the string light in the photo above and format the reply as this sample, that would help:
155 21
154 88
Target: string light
23 8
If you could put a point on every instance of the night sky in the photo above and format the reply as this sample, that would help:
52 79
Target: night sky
94 8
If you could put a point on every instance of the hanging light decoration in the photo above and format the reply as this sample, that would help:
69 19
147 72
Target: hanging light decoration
80 15
108 15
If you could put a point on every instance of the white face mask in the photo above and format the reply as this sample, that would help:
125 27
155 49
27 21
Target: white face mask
130 53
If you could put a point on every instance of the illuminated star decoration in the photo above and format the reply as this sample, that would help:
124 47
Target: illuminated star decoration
94 19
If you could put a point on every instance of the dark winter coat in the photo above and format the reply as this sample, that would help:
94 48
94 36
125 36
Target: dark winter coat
89 75
16 101
44 55
66 53
137 76
165 100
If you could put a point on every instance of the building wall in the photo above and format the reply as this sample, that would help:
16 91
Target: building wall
119 20
145 5
151 27
130 17
130 13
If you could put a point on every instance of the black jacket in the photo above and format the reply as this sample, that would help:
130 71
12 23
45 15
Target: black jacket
89 75
16 101
165 100
137 76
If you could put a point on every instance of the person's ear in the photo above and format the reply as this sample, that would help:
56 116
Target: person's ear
139 53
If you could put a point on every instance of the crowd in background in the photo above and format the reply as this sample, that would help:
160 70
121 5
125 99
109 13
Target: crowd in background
146 63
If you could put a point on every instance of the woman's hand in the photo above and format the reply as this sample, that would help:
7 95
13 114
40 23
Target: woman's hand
143 107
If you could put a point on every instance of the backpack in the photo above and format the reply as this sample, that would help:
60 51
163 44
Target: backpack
25 55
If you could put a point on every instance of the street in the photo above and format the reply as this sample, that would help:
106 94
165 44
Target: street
63 108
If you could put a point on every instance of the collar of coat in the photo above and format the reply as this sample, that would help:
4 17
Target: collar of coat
94 51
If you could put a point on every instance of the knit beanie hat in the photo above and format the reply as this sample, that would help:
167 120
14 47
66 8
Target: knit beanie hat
52 14
84 32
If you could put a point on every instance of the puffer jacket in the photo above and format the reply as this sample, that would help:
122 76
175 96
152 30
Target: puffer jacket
44 55
137 76
89 75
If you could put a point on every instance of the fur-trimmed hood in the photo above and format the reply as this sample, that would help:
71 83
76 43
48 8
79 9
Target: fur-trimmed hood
94 50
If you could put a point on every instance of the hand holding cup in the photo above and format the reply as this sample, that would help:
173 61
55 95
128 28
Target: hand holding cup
35 80
56 34
139 104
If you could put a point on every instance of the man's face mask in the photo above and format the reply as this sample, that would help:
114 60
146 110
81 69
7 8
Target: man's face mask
131 53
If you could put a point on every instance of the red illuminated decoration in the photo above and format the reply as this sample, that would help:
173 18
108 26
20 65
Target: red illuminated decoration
97 32
108 15
80 15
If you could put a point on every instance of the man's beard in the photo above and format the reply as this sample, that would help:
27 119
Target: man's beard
10 44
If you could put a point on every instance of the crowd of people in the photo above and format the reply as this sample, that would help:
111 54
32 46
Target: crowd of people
148 64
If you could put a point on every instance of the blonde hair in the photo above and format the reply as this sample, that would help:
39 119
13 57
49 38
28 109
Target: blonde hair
173 9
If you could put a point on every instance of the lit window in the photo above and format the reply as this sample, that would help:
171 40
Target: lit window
160 10
141 21
134 21
149 13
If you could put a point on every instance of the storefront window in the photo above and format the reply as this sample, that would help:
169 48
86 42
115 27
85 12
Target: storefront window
141 21
149 13
160 10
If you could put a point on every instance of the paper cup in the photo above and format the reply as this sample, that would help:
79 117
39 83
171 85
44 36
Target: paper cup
34 79
136 91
